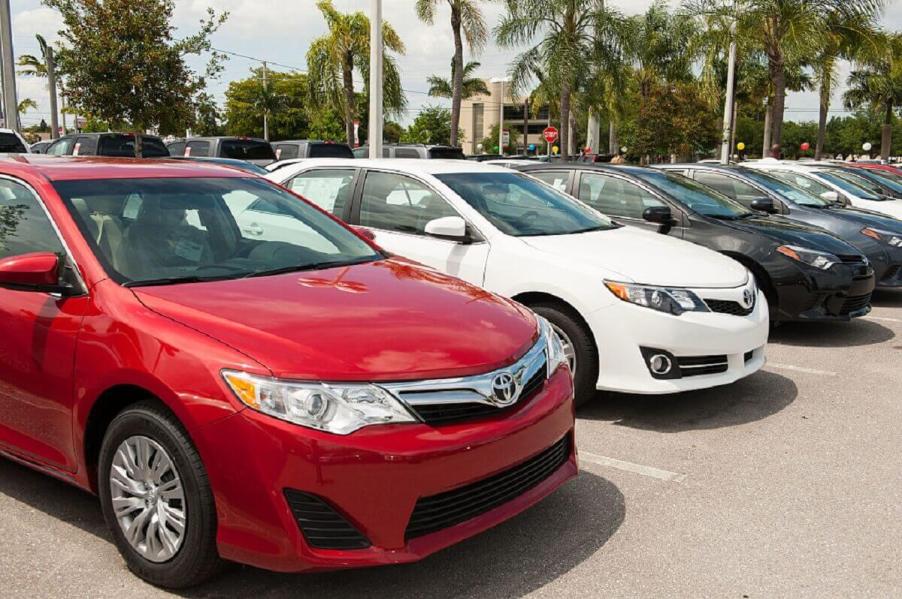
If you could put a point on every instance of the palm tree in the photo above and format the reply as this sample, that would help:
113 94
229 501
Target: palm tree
32 66
25 105
333 58
440 87
466 22
567 40
877 84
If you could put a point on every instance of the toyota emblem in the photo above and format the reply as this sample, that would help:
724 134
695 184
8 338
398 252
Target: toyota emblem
504 389
748 299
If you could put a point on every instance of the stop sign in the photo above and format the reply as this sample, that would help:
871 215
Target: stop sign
550 134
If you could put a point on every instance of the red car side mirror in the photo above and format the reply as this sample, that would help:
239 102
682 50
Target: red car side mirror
38 271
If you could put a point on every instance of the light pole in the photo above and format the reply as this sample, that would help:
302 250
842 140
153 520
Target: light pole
502 81
265 105
374 134
10 101
731 85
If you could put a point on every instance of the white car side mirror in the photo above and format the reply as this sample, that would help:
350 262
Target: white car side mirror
448 227
830 196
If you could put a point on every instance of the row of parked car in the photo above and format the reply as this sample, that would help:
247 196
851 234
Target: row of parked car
389 367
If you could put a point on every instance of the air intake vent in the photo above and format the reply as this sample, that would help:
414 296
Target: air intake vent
700 365
728 307
434 513
323 527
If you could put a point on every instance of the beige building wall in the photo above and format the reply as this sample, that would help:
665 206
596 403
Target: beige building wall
480 113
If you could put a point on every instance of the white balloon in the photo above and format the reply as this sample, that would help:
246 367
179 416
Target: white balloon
867 146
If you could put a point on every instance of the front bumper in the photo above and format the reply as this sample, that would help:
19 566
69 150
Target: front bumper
621 331
839 294
373 478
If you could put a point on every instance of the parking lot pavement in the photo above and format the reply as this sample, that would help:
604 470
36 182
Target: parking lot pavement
785 484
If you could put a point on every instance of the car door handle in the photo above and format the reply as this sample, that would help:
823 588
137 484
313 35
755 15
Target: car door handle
254 229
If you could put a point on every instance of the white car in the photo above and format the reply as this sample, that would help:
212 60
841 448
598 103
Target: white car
856 190
637 312
11 142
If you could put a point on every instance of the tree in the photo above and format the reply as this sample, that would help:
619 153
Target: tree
466 22
208 116
877 84
471 86
432 125
33 66
333 58
285 97
392 132
26 104
123 65
566 40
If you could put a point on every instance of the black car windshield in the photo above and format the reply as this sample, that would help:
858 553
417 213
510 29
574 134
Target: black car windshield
521 206
785 190
879 178
801 181
330 150
124 146
172 230
246 149
696 197
10 143
852 184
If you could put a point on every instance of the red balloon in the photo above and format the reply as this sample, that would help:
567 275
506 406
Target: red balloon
806 146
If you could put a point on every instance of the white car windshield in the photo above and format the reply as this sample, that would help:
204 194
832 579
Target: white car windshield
522 207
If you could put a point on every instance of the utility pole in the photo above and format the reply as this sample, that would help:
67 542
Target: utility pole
501 121
265 105
526 126
51 82
7 58
374 134
731 85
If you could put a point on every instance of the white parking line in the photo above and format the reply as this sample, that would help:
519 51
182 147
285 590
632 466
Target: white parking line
800 369
883 318
631 467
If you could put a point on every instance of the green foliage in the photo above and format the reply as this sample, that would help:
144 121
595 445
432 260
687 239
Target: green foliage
392 132
285 97
432 126
209 118
471 86
327 123
123 64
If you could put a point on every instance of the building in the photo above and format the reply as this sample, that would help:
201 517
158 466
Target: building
480 113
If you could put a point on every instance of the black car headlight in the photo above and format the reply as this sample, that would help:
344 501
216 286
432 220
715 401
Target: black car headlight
816 258
891 239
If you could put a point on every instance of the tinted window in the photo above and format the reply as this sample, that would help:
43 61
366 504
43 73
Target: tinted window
786 190
24 226
85 146
406 153
176 149
397 203
285 151
695 196
329 151
182 229
61 146
11 143
246 149
800 181
614 196
521 206
861 188
329 189
124 145
557 179
447 153
198 149
730 187
875 177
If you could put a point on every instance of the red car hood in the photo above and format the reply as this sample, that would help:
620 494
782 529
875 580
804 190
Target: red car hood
386 320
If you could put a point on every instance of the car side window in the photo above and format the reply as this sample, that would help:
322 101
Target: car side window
61 146
198 148
395 202
285 151
557 179
87 146
406 153
176 149
24 226
730 187
614 196
329 189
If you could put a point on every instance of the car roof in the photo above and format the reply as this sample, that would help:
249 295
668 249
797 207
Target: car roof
407 165
582 166
63 168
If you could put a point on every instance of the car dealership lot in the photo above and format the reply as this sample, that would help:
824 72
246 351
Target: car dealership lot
786 483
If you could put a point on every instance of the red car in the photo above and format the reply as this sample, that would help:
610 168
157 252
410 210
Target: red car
282 395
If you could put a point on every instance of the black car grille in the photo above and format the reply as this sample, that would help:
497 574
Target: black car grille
728 307
323 527
854 304
449 413
447 509
701 365
850 258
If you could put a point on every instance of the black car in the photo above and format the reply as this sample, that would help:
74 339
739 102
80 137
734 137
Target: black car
258 151
422 151
872 233
40 147
107 144
806 273
310 148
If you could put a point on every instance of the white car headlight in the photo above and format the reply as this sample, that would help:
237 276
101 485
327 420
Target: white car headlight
663 299
554 349
332 407
815 258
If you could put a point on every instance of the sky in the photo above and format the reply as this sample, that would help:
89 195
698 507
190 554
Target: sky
280 31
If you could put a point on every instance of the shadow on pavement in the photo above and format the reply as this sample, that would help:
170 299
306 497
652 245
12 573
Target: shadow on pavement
831 334
754 398
887 298
509 560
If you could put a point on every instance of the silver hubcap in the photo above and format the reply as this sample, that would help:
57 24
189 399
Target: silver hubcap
569 352
148 499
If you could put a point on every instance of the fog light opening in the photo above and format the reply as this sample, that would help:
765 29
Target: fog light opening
660 364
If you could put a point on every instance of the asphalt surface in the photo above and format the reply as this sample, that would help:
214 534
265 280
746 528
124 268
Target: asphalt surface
788 483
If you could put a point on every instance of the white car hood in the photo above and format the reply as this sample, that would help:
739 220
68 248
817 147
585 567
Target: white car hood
633 255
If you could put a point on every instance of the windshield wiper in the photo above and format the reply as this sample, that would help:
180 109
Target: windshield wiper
176 280
303 267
